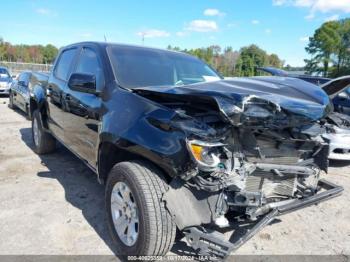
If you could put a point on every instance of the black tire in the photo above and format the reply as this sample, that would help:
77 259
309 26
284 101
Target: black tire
46 142
28 113
156 228
11 105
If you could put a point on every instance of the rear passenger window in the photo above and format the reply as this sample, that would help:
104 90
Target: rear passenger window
64 63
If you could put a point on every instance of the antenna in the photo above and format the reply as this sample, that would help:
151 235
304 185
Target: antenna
143 37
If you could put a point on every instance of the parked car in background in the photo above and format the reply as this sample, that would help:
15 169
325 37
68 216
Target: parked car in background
341 101
338 136
20 91
5 81
317 80
337 131
178 147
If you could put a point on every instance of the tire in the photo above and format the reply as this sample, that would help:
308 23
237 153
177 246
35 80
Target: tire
11 105
44 142
28 113
156 229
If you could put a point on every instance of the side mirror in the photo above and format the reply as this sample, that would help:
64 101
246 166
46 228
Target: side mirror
343 95
85 83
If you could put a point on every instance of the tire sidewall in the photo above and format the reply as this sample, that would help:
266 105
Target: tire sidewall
138 247
11 100
29 114
36 117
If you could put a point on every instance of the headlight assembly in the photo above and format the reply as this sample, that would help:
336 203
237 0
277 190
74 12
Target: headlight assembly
205 154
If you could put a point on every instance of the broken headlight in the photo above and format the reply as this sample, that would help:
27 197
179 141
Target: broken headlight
206 154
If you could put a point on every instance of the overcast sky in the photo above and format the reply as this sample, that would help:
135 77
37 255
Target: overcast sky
278 26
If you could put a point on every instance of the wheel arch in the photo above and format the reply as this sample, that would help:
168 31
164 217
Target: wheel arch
109 154
38 101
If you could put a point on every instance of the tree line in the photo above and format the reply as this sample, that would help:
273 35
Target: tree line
27 53
329 48
234 63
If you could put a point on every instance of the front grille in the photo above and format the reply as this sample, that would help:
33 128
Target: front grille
271 185
282 160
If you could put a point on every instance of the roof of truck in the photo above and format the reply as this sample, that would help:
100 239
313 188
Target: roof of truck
106 44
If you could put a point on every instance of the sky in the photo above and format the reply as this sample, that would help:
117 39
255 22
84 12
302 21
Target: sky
278 26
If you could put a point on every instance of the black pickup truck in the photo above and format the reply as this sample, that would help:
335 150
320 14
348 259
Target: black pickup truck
179 147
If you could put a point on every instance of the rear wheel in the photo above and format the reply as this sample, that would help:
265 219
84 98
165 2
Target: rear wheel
11 105
43 142
137 219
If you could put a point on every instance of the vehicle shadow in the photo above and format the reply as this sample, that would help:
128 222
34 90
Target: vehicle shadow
82 189
20 112
80 185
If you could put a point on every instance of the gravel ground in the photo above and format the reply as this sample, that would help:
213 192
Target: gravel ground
53 205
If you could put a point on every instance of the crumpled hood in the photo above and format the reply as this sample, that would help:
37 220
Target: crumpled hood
290 94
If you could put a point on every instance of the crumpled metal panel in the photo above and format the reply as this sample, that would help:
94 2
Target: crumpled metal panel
292 95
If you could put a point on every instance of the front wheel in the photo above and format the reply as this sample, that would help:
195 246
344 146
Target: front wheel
137 219
43 142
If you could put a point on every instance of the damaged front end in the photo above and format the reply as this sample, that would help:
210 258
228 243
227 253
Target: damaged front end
254 157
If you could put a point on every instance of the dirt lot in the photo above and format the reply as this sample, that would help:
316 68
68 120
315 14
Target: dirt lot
54 205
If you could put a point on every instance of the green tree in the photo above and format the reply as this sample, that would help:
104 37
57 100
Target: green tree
329 49
275 61
342 54
250 58
49 54
233 63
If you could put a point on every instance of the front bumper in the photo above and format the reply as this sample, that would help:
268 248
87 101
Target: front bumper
4 90
339 146
212 243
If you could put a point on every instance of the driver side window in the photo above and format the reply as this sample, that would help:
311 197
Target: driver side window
89 64
23 79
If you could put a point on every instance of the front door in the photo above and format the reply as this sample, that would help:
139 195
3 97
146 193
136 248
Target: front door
83 109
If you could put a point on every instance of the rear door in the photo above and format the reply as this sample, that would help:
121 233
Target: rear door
22 88
15 90
56 90
83 109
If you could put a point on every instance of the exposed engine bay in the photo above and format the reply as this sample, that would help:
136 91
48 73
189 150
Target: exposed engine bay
253 170
253 154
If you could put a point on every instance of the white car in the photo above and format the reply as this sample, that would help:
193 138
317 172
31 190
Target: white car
339 144
5 81
338 136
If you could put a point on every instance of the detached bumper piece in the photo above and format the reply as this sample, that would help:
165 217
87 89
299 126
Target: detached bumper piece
212 243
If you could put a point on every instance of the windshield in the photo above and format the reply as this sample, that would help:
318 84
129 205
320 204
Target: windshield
140 67
4 74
